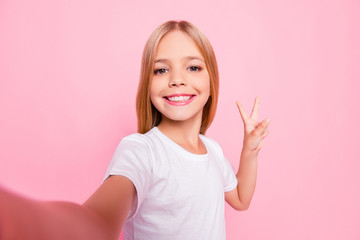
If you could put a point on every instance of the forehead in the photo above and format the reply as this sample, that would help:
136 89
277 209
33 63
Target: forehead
177 44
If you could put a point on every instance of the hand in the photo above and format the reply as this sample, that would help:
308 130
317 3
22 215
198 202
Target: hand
254 131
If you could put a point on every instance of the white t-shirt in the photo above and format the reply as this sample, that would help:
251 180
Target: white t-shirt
180 195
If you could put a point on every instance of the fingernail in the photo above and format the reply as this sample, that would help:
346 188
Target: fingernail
268 120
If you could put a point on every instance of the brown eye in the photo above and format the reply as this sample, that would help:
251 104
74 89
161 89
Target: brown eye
160 71
194 69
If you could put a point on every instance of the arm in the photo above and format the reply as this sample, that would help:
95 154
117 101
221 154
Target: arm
254 134
97 218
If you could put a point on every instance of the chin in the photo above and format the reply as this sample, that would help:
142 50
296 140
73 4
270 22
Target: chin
179 117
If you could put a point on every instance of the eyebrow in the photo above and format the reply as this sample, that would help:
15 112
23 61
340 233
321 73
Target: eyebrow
185 58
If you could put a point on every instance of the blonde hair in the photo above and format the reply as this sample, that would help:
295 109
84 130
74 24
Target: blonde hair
147 115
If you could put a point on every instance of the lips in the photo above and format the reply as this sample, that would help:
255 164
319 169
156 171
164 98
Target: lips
179 99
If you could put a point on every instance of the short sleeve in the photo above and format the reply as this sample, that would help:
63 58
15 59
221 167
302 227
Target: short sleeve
132 159
230 180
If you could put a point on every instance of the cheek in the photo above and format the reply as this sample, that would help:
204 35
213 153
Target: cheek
205 84
155 90
206 81
153 99
208 86
157 84
152 93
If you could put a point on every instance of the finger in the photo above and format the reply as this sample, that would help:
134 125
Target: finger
264 134
242 112
260 146
255 110
262 127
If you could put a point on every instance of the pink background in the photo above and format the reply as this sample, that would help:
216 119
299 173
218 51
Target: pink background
68 78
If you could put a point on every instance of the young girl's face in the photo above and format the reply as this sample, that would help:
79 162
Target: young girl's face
180 84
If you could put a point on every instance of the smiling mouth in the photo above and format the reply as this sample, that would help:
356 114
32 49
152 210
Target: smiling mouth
179 99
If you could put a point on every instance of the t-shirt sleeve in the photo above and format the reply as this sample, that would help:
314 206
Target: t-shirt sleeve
230 180
132 159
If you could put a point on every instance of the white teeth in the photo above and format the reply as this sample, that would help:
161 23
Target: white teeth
179 98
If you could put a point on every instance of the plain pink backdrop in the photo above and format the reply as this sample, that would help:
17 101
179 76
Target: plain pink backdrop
68 79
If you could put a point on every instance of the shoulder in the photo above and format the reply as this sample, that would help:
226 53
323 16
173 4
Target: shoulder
133 139
212 144
139 137
132 155
138 142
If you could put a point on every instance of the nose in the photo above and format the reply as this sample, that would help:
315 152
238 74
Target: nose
177 80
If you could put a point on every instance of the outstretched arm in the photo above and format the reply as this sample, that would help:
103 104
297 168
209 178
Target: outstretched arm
100 217
254 134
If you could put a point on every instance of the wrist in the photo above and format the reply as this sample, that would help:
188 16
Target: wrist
251 154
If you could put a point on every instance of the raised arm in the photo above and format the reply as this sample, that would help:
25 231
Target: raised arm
100 217
254 134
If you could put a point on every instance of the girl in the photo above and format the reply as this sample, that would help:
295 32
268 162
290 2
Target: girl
168 181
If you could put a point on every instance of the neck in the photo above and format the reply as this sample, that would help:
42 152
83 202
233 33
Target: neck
184 133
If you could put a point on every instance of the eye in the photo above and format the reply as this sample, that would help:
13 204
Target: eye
160 71
194 68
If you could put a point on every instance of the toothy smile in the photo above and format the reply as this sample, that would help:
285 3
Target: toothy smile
179 99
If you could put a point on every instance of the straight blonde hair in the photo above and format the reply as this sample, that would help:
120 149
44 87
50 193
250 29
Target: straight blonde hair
147 115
